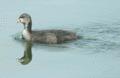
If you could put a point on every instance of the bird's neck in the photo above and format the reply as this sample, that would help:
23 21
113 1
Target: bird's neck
28 27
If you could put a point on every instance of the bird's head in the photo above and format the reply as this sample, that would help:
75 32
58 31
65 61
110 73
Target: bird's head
25 19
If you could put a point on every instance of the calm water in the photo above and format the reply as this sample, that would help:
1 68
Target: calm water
96 55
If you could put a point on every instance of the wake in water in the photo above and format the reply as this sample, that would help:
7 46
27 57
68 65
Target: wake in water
95 37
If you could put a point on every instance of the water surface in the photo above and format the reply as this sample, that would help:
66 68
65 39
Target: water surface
96 55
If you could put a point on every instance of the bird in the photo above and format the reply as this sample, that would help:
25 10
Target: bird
50 36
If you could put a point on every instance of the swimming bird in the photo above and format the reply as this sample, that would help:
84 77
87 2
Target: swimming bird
44 36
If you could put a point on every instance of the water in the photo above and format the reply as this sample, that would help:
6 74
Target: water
96 55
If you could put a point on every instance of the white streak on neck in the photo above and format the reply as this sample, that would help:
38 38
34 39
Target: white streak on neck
26 34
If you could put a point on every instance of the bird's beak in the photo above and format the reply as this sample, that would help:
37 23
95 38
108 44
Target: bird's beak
18 20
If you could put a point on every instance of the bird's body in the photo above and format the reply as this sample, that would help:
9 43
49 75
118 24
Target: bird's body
44 36
49 36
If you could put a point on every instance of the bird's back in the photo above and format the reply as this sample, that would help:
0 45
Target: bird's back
53 36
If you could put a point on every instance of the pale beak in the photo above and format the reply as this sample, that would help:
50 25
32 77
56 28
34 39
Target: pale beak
18 20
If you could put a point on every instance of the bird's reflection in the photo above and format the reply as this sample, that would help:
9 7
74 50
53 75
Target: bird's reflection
27 57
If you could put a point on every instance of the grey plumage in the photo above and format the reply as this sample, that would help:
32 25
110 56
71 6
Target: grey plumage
53 36
45 36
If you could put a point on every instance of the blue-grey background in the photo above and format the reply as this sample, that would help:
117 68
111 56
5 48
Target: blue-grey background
96 55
